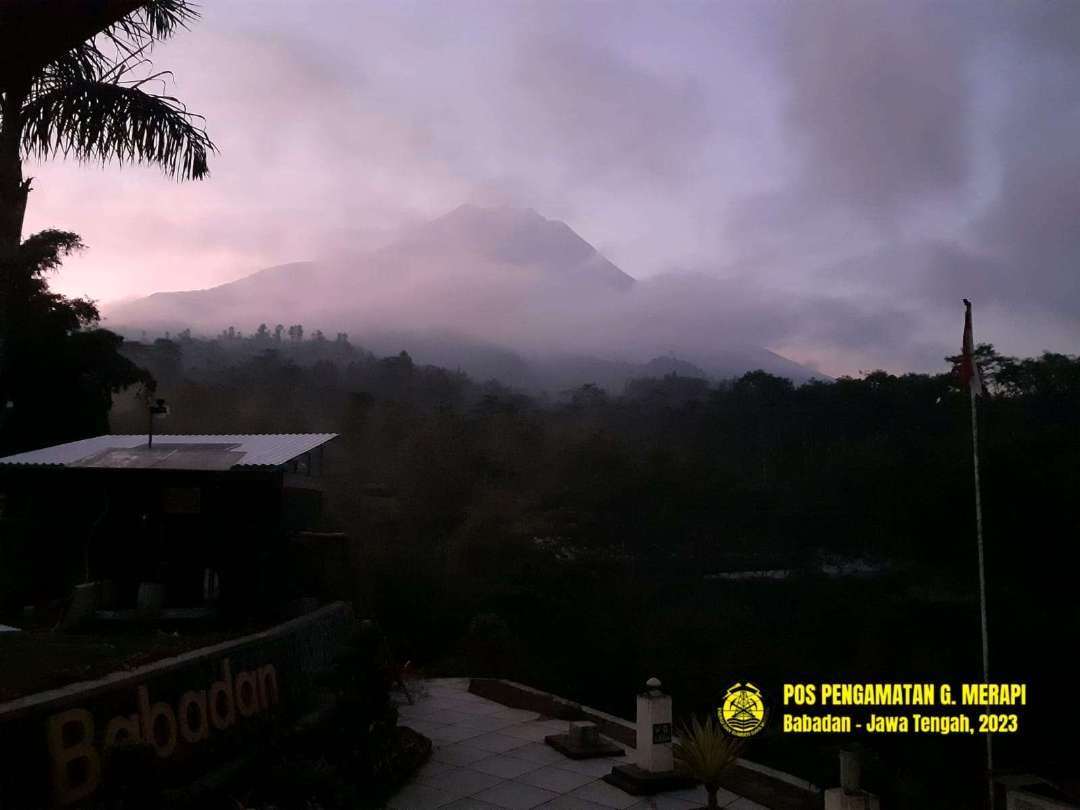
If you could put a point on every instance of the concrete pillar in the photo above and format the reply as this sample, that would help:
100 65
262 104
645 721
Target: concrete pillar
584 734
850 772
149 600
653 752
839 799
850 796
83 604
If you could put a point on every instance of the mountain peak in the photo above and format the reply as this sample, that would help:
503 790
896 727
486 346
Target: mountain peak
519 236
491 212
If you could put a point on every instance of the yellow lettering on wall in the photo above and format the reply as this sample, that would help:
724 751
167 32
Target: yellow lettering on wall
196 700
76 768
268 688
247 694
76 758
222 692
155 720
120 725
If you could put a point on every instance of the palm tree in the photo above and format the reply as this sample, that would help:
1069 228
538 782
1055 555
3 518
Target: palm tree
33 33
705 751
75 81
93 99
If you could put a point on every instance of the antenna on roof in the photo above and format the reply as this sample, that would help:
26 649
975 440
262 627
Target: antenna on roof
154 408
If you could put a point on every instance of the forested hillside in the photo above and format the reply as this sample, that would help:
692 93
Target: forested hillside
704 532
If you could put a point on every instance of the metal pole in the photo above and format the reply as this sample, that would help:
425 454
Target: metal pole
150 426
982 591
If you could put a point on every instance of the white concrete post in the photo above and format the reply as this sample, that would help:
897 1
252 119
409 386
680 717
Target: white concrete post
850 796
654 730
849 772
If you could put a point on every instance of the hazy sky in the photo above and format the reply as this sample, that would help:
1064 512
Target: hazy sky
853 167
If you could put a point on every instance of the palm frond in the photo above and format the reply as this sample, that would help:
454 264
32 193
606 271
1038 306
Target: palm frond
41 32
94 120
95 61
83 61
154 20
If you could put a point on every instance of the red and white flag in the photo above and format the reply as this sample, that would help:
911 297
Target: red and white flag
969 369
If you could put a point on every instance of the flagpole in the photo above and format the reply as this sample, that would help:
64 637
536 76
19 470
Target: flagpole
982 588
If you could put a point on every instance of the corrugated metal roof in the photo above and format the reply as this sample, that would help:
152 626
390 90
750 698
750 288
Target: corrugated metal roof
254 449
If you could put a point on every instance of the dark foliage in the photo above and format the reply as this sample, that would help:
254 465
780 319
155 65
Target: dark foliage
59 370
98 101
352 758
585 544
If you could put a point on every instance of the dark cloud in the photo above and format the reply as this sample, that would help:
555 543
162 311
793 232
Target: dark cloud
1030 229
843 171
935 149
879 100
604 118
1034 237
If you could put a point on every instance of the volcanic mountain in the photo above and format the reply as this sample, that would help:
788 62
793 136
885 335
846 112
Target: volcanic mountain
499 292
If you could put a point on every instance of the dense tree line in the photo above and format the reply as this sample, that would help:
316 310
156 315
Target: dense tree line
586 541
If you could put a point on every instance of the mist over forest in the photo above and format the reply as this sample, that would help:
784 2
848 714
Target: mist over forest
497 292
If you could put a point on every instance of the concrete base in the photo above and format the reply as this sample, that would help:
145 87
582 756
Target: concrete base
83 604
639 782
568 747
148 603
840 799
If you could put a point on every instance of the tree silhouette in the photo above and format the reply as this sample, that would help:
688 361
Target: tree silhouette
479 499
75 81
68 395
95 101
991 366
34 33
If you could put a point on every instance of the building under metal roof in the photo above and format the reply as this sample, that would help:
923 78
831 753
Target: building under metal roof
176 452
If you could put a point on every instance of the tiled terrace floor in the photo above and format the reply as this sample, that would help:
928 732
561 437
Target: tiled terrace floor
490 757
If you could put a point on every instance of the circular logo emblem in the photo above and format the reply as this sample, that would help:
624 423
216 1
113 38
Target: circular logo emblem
742 713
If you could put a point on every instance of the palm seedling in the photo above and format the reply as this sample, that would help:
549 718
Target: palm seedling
704 751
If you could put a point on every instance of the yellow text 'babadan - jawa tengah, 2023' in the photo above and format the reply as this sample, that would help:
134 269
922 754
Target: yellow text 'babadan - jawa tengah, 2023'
923 695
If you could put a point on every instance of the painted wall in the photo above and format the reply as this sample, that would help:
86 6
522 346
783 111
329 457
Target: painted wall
196 711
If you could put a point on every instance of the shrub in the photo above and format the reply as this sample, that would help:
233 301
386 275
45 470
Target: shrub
705 751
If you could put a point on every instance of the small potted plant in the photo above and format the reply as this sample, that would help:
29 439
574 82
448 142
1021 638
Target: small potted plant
704 751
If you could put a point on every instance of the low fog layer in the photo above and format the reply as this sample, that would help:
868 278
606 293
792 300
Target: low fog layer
503 278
